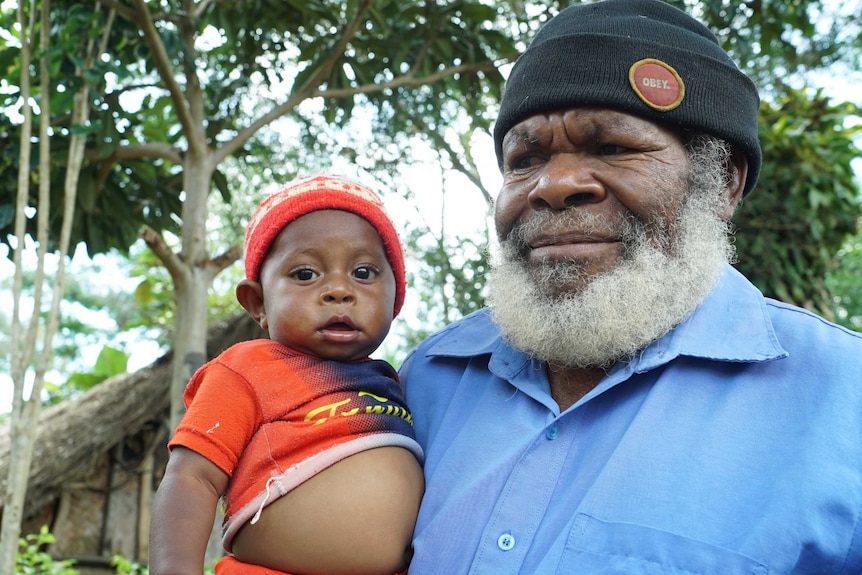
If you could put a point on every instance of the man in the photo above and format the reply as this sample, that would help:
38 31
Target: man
629 403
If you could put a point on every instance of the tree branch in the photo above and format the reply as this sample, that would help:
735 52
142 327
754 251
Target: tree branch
144 20
440 143
408 80
114 95
426 46
307 90
201 8
219 263
174 264
121 9
156 150
194 93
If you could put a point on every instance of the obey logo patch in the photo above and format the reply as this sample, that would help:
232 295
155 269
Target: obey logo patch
657 84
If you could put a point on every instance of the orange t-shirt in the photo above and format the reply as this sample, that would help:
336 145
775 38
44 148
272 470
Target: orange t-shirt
271 417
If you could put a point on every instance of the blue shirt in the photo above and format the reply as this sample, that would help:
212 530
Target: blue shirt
731 445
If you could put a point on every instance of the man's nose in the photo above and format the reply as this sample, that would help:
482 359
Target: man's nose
567 181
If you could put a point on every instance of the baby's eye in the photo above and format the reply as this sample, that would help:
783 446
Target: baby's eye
304 274
365 272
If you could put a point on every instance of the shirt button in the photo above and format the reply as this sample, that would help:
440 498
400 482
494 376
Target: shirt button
552 432
506 541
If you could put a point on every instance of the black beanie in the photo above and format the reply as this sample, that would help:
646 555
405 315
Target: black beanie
643 57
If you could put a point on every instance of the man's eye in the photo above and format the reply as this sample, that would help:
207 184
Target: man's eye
522 162
365 272
611 149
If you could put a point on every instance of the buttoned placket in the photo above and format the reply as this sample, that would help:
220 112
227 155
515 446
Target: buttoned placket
509 532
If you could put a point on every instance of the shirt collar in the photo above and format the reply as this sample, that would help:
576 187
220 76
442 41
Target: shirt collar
732 324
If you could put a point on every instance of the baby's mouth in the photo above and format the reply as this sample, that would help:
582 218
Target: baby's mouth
340 329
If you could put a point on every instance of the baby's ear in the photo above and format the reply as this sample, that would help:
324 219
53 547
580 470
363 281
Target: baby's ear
250 296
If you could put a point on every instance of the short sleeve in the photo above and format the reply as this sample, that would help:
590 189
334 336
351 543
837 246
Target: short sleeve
222 415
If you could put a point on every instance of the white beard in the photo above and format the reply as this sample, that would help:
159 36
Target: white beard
618 313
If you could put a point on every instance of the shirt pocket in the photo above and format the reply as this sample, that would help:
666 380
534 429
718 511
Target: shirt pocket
606 548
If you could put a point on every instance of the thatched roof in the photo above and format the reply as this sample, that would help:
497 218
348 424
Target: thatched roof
73 435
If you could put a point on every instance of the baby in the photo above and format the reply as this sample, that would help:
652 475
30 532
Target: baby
306 439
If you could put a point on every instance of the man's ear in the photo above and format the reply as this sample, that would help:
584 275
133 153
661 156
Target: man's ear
250 296
737 174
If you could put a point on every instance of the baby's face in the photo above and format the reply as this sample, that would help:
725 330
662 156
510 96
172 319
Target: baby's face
328 289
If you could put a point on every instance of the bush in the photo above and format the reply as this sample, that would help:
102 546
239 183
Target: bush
32 560
125 566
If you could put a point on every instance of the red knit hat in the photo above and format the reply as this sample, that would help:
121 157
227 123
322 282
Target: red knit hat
321 192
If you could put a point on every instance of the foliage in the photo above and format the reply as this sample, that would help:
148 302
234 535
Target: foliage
32 560
246 59
110 362
151 190
806 203
777 41
125 566
845 285
450 281
97 309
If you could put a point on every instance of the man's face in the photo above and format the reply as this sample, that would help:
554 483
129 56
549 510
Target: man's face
616 170
609 234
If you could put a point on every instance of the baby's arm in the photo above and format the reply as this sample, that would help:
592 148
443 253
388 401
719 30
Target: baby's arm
184 513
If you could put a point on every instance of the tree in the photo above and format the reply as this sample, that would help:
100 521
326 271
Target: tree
25 412
806 204
845 286
198 108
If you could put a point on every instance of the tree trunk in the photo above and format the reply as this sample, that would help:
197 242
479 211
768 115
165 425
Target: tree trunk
189 336
191 287
22 438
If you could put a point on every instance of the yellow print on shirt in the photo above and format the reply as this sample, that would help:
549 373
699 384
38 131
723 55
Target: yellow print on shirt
342 408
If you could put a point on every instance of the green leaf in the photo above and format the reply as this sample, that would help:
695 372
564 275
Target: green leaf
111 362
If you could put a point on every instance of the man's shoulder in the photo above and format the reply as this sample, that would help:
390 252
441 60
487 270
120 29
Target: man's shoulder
796 323
757 322
816 349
